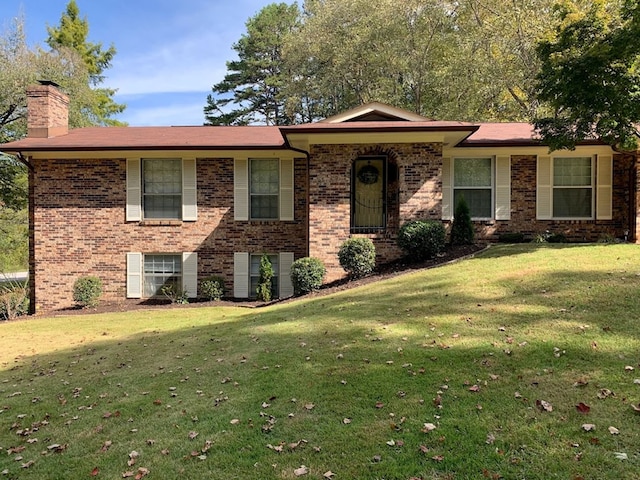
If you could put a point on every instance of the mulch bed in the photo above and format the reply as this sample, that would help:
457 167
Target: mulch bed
389 270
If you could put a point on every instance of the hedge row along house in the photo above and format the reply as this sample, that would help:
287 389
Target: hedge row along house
141 206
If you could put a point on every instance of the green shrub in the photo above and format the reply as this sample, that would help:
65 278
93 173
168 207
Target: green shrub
462 232
420 239
212 288
264 282
175 293
14 300
87 291
307 275
357 256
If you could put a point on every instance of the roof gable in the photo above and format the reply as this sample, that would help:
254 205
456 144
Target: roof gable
375 111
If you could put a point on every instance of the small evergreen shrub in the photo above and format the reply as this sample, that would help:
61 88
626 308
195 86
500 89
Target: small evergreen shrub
557 238
421 240
462 232
357 256
175 293
212 288
264 283
307 275
87 291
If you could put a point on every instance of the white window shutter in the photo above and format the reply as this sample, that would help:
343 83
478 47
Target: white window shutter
284 275
286 190
134 190
447 190
604 187
544 179
190 273
503 187
134 275
241 189
189 190
241 275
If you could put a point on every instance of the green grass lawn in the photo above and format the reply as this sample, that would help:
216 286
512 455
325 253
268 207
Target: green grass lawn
469 371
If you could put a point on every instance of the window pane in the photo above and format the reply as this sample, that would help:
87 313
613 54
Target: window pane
572 202
478 200
160 270
162 188
265 186
472 172
572 171
264 206
162 206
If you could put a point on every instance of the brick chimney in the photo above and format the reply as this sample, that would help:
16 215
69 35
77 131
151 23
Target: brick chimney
47 111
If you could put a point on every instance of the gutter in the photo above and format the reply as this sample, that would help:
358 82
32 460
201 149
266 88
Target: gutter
308 206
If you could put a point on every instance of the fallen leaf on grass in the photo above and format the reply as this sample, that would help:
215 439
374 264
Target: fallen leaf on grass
614 431
28 464
544 406
193 435
309 406
438 458
605 393
298 472
428 427
583 408
636 408
587 427
328 474
95 472
106 445
620 455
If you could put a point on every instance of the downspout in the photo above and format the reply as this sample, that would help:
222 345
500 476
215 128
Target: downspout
308 206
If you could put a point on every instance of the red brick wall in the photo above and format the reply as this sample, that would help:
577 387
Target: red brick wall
419 187
79 214
523 207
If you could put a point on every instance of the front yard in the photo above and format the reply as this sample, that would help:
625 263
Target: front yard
519 363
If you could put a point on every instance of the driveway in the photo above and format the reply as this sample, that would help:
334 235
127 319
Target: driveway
13 277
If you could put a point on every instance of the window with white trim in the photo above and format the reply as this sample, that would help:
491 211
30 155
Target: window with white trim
161 270
162 188
147 273
246 274
264 188
572 187
473 180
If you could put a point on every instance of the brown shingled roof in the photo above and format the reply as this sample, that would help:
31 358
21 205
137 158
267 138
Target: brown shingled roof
151 138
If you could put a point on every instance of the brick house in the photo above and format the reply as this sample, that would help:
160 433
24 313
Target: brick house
138 206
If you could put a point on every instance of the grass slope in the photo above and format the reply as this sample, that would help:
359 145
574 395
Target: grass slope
494 352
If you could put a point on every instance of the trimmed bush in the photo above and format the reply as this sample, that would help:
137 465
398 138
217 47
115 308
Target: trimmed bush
357 256
306 275
462 232
87 291
212 288
421 240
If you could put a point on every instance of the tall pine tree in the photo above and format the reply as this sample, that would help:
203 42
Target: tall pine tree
99 107
254 83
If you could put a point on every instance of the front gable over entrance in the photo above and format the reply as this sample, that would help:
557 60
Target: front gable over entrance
375 112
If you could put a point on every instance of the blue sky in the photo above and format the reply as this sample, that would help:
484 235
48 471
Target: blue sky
169 52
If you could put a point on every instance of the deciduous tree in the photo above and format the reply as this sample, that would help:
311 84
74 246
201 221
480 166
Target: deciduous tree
589 78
